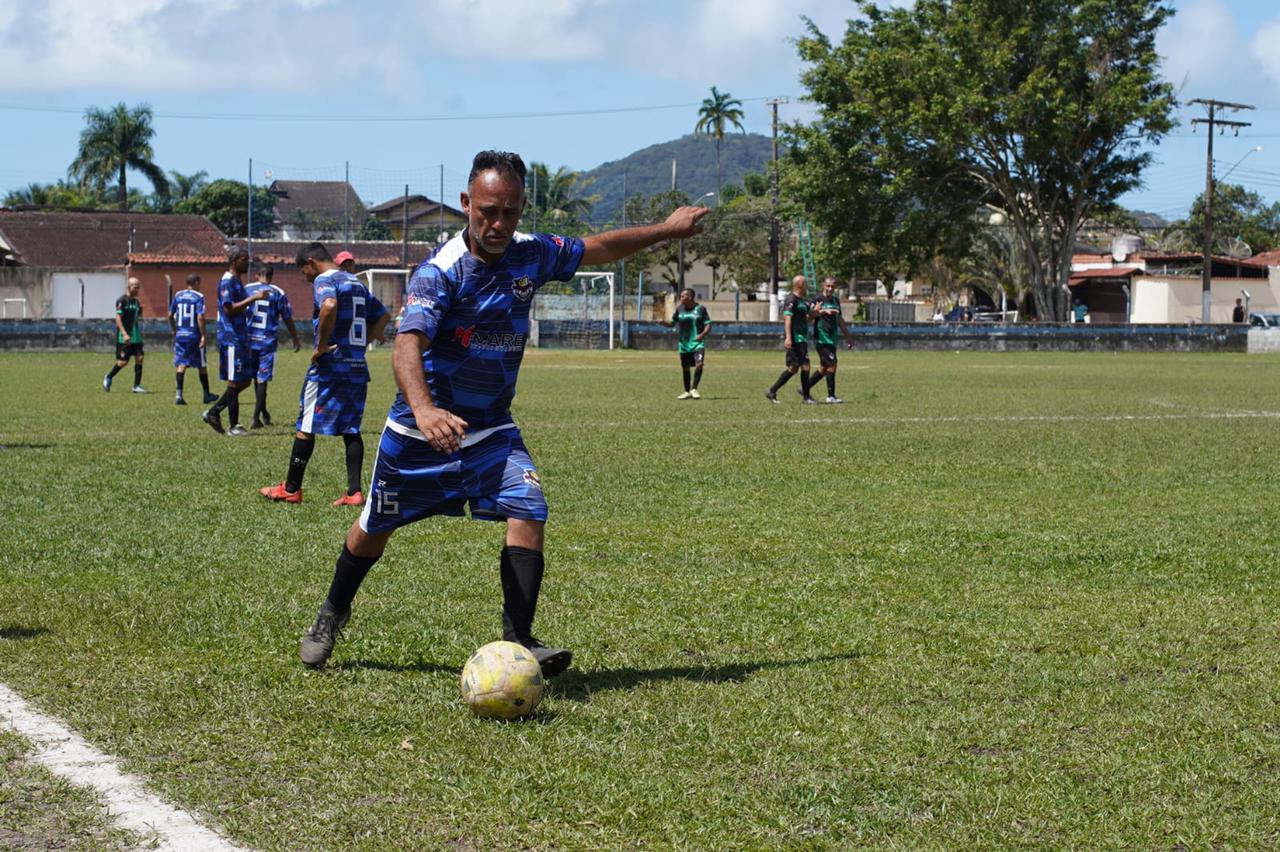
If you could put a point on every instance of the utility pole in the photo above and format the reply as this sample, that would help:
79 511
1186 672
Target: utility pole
1212 107
773 217
248 231
441 202
404 230
346 207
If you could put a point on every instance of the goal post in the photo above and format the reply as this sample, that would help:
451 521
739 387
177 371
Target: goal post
581 313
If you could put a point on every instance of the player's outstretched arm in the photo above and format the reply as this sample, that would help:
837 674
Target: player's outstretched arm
442 429
324 329
683 223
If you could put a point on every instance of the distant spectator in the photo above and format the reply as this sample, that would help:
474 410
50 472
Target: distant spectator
346 262
1237 313
1079 312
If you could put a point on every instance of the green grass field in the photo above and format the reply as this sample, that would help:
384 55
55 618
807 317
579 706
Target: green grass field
992 600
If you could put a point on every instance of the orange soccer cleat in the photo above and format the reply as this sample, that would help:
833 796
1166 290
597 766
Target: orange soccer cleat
276 492
356 499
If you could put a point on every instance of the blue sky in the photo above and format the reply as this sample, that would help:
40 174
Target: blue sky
569 82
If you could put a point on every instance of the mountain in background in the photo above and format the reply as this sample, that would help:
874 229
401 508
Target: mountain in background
648 170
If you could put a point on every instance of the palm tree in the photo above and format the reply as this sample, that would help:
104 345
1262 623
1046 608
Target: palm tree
717 113
185 186
556 198
114 141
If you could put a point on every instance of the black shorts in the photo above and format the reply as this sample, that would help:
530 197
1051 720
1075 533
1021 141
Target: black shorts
693 359
125 350
826 354
798 355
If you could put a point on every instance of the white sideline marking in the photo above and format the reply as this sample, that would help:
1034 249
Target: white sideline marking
64 753
1046 418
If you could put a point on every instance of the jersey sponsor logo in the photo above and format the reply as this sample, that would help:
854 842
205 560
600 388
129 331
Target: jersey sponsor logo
414 299
531 479
559 242
490 341
522 287
462 336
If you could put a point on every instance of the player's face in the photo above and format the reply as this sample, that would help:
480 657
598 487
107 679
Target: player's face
133 288
309 270
686 299
240 265
828 287
493 206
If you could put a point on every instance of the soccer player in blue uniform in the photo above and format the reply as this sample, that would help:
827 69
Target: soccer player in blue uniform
346 317
265 316
233 342
186 318
449 439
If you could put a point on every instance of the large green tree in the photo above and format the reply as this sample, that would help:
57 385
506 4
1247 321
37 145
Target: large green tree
225 202
1240 216
1044 110
60 195
114 141
717 114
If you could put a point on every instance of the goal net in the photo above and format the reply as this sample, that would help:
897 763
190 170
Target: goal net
577 314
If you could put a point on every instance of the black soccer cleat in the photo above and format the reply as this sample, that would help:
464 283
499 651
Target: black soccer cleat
771 396
214 420
178 400
317 643
266 417
210 397
553 661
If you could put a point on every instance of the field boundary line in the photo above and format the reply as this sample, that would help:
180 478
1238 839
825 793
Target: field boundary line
1045 418
64 753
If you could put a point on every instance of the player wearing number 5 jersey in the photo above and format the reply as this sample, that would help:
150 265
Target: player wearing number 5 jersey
186 318
265 316
346 317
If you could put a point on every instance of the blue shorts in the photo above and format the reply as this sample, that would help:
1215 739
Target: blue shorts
188 353
492 472
262 364
331 408
233 362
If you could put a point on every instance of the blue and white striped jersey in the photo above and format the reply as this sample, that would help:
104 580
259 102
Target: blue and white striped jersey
357 308
186 308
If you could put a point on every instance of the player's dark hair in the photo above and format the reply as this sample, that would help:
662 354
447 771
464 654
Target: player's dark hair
501 161
266 270
312 251
235 254
690 291
193 279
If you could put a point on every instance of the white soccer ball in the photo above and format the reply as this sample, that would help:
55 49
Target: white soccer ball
502 680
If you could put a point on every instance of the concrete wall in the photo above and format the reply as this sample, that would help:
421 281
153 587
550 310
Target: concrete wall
99 335
1177 300
31 285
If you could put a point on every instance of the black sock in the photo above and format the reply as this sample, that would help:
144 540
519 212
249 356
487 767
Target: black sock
782 380
348 574
233 406
697 376
178 379
115 369
204 381
223 401
831 384
298 458
521 570
355 461
259 401
804 381
685 371
137 374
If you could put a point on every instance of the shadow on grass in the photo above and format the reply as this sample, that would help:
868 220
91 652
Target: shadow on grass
22 632
578 685
26 445
376 665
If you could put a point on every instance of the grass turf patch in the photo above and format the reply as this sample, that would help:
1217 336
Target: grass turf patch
993 599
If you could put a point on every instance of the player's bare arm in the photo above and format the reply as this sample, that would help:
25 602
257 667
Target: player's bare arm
442 429
610 246
324 330
379 326
234 308
786 332
200 325
293 332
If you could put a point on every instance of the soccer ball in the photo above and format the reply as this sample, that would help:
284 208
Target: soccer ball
502 680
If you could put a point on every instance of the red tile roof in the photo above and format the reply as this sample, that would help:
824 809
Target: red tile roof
101 239
1266 258
1109 272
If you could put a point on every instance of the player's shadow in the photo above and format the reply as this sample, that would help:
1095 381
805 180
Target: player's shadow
27 445
22 632
576 685
420 666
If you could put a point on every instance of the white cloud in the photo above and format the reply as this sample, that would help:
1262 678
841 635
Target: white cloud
1265 48
1201 46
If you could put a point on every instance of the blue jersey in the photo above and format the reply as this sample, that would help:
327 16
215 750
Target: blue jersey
232 329
477 319
186 309
357 308
266 314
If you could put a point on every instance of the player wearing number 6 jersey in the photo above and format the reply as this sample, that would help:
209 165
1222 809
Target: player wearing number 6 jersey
186 318
449 442
346 317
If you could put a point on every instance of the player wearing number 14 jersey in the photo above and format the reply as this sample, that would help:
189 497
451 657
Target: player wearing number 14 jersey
186 318
346 317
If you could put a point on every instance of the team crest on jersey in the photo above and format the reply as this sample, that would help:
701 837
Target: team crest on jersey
531 478
522 287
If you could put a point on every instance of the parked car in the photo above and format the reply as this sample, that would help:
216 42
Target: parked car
1264 319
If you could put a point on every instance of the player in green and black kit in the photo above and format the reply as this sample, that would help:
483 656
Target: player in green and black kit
694 324
128 336
795 339
827 325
